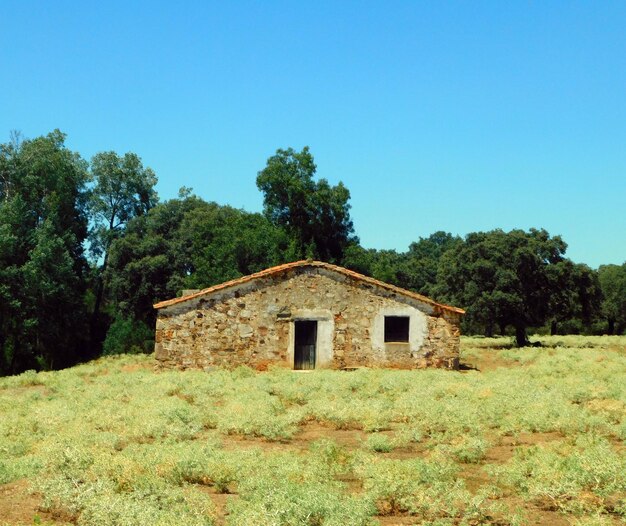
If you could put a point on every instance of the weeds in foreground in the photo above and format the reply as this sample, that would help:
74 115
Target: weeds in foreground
111 443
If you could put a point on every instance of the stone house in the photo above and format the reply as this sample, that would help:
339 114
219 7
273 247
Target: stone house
306 315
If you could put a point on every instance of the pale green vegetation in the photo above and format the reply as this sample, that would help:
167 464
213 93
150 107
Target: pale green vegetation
536 437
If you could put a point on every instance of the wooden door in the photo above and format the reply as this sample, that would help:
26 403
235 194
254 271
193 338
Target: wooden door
305 342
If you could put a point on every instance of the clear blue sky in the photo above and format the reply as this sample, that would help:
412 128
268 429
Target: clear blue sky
456 116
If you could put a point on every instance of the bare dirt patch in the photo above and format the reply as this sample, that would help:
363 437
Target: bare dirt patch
504 450
348 438
386 520
485 360
131 368
307 434
19 505
220 500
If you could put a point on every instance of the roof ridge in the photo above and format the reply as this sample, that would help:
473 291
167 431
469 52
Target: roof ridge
302 263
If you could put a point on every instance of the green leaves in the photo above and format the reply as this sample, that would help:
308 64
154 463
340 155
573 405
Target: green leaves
506 278
43 224
185 243
613 282
123 189
314 214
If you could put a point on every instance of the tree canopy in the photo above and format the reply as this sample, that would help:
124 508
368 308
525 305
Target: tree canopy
186 243
505 278
612 280
315 214
122 189
43 223
57 306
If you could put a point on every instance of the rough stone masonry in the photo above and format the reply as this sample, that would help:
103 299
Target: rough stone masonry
253 321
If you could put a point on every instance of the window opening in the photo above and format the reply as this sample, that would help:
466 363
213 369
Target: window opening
396 329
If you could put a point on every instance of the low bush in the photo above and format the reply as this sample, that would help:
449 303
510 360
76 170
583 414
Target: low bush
101 438
379 443
584 476
281 502
126 335
427 489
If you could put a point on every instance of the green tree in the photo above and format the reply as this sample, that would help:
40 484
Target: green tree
613 283
504 278
227 243
384 265
315 215
180 244
43 225
123 189
414 270
577 298
421 262
149 262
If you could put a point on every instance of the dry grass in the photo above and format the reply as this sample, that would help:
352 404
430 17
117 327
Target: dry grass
530 436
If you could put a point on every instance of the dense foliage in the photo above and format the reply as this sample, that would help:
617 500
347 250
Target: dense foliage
186 243
315 215
86 249
516 279
613 282
123 189
43 269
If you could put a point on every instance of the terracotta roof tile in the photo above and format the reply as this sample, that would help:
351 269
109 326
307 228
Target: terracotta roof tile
308 263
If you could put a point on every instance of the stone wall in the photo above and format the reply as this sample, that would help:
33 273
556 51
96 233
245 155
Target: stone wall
253 324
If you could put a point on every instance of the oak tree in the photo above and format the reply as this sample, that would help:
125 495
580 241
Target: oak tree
315 214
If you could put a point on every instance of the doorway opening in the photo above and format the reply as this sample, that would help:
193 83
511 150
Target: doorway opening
304 344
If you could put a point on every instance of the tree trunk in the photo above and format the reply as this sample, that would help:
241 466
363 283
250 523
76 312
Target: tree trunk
553 328
489 330
502 329
13 363
520 336
95 316
611 327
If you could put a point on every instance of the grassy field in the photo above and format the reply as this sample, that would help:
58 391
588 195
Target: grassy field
531 436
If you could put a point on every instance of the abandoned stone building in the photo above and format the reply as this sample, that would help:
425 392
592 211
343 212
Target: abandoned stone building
306 315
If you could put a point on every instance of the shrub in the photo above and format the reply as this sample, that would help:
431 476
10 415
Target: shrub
470 450
208 467
281 502
577 477
256 413
128 336
335 457
428 489
379 443
138 509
